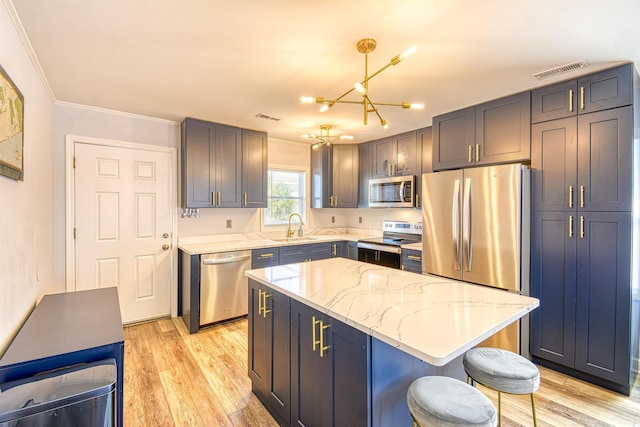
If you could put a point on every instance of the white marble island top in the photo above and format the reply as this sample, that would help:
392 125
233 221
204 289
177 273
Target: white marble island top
429 317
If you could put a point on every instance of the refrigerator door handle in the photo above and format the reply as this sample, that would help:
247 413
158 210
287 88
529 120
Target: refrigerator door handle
466 224
455 223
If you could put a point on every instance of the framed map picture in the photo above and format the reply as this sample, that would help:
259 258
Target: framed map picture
11 128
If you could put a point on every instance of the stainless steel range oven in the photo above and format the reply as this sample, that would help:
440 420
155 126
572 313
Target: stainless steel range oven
386 250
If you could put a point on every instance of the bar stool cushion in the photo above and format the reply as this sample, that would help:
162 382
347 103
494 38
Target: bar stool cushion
444 401
501 370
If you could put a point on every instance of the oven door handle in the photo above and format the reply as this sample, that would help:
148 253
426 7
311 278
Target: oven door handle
383 248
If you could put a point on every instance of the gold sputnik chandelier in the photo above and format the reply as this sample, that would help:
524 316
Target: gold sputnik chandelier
366 46
324 137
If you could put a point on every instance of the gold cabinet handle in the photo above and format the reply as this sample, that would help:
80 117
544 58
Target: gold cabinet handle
245 199
582 98
218 198
570 99
414 257
269 255
323 347
315 341
570 225
213 198
571 196
334 251
582 196
470 153
581 226
477 152
264 304
417 200
259 301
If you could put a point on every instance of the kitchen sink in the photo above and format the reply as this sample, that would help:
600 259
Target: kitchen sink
295 239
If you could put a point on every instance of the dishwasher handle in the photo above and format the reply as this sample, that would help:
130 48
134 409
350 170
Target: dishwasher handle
216 261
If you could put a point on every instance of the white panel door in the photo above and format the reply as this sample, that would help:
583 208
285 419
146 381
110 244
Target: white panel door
123 226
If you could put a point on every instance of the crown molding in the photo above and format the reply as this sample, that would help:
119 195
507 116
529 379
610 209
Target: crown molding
17 23
116 112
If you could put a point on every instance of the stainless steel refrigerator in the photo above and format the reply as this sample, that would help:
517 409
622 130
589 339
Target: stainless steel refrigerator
476 228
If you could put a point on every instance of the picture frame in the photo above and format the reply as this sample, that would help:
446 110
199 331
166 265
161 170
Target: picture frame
11 128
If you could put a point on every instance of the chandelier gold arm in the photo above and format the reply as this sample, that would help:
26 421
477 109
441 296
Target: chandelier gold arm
366 46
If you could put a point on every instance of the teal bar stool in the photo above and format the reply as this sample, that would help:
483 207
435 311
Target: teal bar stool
504 372
444 401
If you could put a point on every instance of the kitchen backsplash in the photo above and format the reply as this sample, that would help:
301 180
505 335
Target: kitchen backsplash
214 221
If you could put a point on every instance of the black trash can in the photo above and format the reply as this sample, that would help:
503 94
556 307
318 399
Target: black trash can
82 395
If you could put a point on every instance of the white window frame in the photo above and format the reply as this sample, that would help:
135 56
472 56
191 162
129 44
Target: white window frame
274 227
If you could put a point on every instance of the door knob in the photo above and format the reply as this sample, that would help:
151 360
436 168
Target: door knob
165 247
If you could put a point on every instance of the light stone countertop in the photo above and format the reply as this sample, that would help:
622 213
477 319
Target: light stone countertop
428 317
197 245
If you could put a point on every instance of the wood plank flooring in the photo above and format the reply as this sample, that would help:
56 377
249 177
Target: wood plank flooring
176 379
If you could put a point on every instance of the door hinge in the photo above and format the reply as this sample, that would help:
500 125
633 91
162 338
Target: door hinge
74 162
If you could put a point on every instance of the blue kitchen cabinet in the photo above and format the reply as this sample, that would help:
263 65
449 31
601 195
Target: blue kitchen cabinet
330 367
339 249
306 252
352 250
411 260
599 91
604 342
334 172
265 257
582 278
581 230
268 347
494 132
553 281
583 162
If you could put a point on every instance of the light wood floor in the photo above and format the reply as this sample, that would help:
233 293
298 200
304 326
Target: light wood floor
173 378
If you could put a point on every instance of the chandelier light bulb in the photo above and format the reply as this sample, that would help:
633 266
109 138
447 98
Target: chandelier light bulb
324 108
307 99
384 123
361 89
407 53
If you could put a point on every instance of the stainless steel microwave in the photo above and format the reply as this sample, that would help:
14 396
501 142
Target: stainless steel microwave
392 192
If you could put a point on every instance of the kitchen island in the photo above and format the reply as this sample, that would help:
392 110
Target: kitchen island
337 342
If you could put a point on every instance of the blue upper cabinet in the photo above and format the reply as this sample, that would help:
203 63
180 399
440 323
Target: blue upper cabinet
595 92
583 163
223 166
494 132
334 176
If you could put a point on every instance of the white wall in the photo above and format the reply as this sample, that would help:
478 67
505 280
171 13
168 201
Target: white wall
26 226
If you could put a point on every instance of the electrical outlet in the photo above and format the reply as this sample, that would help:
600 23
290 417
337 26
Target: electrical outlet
333 219
360 220
228 223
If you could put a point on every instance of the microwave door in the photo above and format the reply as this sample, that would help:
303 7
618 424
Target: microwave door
441 224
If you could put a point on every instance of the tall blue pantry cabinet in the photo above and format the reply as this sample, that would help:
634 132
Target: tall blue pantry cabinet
584 161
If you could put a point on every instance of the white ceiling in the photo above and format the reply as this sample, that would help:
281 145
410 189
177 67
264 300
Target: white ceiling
228 60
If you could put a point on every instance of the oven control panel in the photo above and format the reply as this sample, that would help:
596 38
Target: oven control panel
402 227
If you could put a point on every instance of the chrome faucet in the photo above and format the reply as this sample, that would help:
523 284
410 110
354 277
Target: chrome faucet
290 232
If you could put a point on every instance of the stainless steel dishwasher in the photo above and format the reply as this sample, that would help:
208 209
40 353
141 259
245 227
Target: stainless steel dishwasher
223 286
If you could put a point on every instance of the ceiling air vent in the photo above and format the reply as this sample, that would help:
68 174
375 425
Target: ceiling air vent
561 69
264 116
